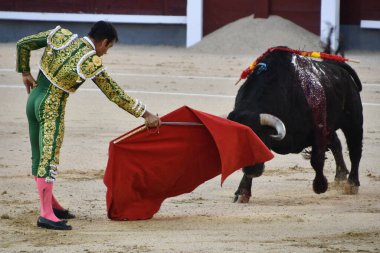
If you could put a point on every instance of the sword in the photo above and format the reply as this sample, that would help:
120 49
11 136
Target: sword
168 123
180 123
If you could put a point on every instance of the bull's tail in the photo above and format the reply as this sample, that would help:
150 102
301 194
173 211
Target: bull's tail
352 73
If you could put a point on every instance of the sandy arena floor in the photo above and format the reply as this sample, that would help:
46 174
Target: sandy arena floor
284 214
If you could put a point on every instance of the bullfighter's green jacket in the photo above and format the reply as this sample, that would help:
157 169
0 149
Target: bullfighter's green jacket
68 61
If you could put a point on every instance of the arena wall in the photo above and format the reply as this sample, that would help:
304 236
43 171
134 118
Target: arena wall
216 13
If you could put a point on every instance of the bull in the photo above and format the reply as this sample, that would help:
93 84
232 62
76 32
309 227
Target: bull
292 103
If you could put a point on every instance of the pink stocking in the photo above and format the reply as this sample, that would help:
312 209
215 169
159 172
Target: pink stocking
45 191
55 203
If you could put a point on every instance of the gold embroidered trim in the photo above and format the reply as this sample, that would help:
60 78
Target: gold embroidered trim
89 42
90 65
52 113
60 38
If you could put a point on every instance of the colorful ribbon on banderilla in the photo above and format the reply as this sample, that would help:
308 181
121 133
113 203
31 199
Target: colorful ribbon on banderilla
312 54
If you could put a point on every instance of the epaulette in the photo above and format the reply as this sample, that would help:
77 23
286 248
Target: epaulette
59 38
90 65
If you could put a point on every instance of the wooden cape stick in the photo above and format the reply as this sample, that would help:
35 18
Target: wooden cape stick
142 128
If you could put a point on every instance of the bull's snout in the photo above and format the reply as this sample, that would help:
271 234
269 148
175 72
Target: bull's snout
231 116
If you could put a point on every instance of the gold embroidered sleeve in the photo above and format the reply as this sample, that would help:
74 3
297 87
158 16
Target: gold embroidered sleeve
27 44
117 95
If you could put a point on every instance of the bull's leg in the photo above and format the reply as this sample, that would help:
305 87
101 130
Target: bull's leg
320 183
243 193
341 169
354 138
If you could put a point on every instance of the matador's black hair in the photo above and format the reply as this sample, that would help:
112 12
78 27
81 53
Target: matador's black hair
103 30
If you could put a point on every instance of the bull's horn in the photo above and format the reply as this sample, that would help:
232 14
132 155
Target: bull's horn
272 121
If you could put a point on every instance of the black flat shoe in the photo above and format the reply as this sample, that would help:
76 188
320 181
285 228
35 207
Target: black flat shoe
59 225
63 214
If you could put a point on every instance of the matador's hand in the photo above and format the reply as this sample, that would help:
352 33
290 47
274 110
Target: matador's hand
28 81
151 120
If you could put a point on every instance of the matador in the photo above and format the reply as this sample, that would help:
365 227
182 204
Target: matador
67 61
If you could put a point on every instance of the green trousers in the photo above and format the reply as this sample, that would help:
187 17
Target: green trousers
45 110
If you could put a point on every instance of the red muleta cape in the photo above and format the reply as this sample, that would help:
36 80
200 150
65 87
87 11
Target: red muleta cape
146 168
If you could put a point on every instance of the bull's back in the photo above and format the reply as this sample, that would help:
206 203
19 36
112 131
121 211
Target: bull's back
343 95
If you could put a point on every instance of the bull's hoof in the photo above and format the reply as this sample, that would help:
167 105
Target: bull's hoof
320 185
350 188
242 198
341 176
